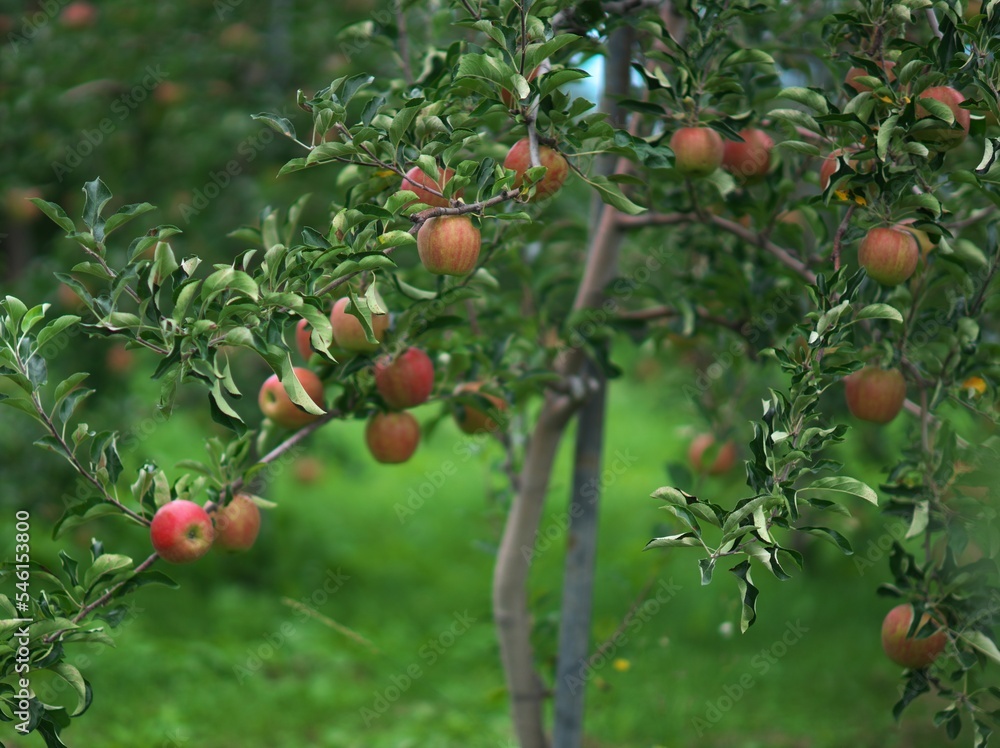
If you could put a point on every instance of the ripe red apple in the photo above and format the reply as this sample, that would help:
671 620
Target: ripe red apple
119 360
449 245
911 652
237 524
405 380
181 532
419 181
508 97
78 15
889 255
472 419
348 332
751 159
697 151
854 73
519 160
278 406
944 137
875 394
302 333
392 437
829 166
725 455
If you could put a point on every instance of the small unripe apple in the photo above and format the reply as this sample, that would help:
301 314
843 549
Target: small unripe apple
348 332
278 406
911 652
698 151
750 160
725 455
473 419
509 98
889 255
392 437
830 165
421 183
875 394
181 532
79 15
405 380
944 137
449 245
519 160
237 524
854 73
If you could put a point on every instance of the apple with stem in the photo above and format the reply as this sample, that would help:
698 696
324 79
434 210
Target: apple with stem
420 182
237 524
278 406
704 446
917 651
392 437
348 332
944 137
449 245
405 380
750 160
698 151
889 255
181 532
518 160
875 394
474 419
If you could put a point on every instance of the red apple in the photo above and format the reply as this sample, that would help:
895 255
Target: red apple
472 419
181 532
519 160
830 165
697 151
392 437
308 469
509 97
851 79
889 255
169 93
119 360
875 394
237 524
944 137
449 245
78 15
278 406
348 332
405 380
419 181
912 652
302 333
751 159
725 455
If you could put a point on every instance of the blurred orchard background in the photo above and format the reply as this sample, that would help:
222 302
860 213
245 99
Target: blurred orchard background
393 563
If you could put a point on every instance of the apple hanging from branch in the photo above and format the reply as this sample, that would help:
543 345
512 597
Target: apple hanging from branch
875 394
405 380
237 524
917 651
889 255
750 160
698 151
421 183
275 403
474 419
449 245
181 532
519 160
348 333
392 437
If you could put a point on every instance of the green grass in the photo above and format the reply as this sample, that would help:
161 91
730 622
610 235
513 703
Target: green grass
224 661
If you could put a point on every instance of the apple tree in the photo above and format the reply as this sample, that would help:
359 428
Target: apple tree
822 212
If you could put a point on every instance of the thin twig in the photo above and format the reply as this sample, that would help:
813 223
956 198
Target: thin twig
338 627
838 237
629 615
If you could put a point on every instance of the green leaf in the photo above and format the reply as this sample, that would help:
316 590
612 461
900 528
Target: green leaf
671 541
396 239
880 311
831 536
109 563
798 146
980 641
97 196
276 123
126 214
921 516
55 327
229 279
747 56
72 676
613 196
838 486
403 119
16 311
806 96
748 613
55 213
885 133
